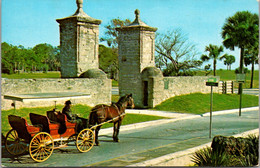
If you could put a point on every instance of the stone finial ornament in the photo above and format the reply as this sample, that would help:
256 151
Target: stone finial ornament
137 14
79 3
80 11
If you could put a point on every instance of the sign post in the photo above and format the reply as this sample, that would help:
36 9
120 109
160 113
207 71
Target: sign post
212 82
240 79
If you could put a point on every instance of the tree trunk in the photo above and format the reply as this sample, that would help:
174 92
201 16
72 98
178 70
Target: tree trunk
214 64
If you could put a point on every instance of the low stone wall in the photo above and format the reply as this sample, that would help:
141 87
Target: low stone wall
186 85
99 90
174 86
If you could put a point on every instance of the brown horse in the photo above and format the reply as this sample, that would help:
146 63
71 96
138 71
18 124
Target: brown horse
102 113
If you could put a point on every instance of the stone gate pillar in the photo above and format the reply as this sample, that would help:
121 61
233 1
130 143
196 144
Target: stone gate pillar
79 42
136 46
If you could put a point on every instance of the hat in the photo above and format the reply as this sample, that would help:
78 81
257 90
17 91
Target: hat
68 102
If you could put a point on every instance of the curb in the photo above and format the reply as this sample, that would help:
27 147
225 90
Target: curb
183 158
231 111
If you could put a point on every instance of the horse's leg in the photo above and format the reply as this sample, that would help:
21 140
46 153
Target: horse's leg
96 135
116 131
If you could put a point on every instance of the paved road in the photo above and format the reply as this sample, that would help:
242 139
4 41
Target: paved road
249 91
147 143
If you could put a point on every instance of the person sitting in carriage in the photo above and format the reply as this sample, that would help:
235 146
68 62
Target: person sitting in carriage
82 123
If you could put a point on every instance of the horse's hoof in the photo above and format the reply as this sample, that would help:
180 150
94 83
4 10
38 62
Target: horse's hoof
116 140
97 144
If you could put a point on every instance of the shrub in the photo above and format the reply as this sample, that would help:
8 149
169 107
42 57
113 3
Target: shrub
229 151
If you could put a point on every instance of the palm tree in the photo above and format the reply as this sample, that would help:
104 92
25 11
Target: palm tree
214 53
251 57
229 59
240 30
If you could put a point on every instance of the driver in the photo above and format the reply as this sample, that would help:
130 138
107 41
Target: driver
81 122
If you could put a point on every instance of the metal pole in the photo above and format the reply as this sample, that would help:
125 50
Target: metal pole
211 105
240 102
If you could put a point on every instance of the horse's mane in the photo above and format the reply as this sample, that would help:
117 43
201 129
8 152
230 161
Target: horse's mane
121 100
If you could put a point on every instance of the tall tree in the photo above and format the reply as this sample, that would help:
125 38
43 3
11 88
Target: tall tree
6 65
251 57
214 53
228 60
240 30
46 55
175 52
111 35
108 61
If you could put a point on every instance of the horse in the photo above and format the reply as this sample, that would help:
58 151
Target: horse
102 113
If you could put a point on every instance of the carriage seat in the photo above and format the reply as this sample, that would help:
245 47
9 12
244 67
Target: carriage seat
47 126
24 130
60 118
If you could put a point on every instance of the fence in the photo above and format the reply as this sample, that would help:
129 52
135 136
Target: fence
226 87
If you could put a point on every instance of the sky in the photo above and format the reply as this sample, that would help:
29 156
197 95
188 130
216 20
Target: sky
31 22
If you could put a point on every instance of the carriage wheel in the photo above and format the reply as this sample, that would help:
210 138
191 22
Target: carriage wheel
85 140
13 144
41 147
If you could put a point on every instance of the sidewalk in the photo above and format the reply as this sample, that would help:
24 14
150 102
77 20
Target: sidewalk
183 158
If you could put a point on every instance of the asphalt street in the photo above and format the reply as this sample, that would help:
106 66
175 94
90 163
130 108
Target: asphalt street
138 145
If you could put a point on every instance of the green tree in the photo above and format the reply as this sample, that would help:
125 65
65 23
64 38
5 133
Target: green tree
240 30
111 35
214 53
251 57
6 65
46 57
108 61
175 53
228 60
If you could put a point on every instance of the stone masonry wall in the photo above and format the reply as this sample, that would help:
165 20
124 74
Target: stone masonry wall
136 52
174 86
99 90
79 47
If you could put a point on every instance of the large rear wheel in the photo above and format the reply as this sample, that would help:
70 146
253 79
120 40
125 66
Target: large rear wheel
13 144
41 147
85 140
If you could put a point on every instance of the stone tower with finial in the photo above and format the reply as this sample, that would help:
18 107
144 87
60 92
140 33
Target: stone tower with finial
79 42
136 47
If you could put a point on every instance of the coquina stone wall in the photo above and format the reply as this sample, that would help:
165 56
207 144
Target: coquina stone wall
99 90
174 86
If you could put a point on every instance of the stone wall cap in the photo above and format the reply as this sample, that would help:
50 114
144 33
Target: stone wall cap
80 19
137 23
94 73
151 72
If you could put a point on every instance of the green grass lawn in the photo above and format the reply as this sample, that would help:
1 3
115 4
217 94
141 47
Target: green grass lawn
81 110
32 75
199 103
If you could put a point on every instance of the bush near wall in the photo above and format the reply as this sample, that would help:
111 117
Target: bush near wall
229 151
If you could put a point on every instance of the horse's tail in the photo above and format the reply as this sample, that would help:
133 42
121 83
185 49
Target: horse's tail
92 120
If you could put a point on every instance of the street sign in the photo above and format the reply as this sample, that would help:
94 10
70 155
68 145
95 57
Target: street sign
241 77
212 82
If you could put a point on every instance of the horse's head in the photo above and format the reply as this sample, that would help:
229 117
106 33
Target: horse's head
130 102
126 101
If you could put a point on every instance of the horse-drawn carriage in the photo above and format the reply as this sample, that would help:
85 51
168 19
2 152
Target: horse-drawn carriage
46 134
54 131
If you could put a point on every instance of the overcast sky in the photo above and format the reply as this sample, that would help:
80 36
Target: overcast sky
31 22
